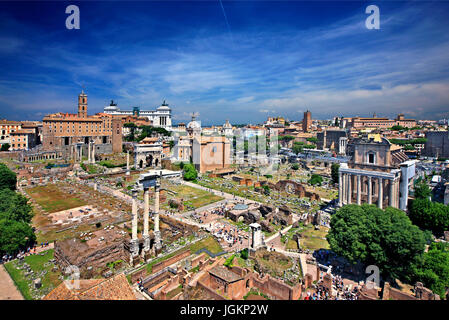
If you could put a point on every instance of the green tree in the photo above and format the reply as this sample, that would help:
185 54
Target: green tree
5 147
433 270
15 218
295 166
422 190
148 131
385 238
190 172
244 254
430 215
312 139
297 147
335 167
8 178
14 206
15 235
316 179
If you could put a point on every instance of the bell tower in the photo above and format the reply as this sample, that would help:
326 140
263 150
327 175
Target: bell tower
82 105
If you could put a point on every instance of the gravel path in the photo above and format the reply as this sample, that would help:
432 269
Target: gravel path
8 290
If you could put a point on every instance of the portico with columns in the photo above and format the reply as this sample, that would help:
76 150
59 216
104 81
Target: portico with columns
365 186
378 173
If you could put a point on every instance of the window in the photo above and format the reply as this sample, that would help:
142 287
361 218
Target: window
371 157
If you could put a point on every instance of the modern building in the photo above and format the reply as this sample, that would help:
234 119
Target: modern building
376 174
161 117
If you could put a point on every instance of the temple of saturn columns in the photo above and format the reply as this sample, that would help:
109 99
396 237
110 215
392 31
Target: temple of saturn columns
146 181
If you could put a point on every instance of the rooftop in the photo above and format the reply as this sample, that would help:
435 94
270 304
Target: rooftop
115 288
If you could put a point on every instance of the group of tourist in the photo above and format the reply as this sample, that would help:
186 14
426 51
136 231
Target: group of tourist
320 294
23 253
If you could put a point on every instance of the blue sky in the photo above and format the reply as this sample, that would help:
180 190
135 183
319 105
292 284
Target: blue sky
266 59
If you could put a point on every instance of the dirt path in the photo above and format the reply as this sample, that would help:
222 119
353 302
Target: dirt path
8 290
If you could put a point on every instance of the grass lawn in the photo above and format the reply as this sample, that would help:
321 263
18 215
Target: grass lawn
38 264
292 244
312 239
52 199
209 243
191 196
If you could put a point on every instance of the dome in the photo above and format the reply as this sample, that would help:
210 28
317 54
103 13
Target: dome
193 125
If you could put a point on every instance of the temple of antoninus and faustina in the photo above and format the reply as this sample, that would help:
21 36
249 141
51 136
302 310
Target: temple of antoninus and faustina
377 174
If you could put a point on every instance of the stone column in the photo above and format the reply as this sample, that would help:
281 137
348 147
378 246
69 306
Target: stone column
358 189
127 163
93 152
349 189
89 159
340 189
146 223
157 233
134 240
380 193
370 191
396 193
391 200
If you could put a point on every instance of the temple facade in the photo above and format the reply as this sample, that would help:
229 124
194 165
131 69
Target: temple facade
376 174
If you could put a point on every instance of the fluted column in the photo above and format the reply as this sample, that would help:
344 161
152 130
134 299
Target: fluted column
349 189
127 163
370 191
134 240
391 200
340 189
359 178
93 152
396 195
157 233
146 219
380 193
89 160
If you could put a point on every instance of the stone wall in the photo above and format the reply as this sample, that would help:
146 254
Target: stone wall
163 264
276 288
95 258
